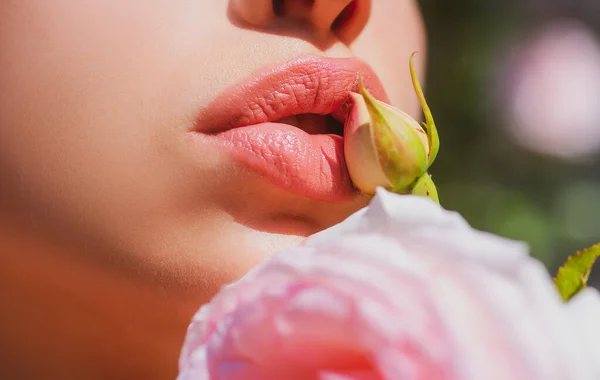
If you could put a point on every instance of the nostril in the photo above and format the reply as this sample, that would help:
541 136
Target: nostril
279 7
345 16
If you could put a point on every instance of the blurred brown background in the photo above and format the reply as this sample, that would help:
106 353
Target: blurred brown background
515 90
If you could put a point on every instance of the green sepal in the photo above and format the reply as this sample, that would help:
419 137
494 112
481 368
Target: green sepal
425 187
432 134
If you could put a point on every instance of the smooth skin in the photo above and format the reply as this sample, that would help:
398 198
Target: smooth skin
114 226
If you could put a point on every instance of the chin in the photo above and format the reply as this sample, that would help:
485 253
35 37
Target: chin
201 264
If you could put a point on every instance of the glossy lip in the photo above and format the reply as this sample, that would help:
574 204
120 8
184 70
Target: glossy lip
242 121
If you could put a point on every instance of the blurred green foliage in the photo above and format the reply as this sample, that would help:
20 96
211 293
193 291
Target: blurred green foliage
551 204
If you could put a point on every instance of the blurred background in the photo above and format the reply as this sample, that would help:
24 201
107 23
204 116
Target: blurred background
514 87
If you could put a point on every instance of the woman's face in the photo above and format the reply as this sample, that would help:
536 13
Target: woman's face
143 134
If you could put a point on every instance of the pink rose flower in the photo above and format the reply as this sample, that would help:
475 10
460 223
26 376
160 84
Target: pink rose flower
403 289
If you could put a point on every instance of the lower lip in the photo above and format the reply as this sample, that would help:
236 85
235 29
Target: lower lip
308 165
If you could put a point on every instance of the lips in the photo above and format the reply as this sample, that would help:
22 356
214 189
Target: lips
270 123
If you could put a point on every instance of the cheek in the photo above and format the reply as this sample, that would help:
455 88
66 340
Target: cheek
91 135
98 97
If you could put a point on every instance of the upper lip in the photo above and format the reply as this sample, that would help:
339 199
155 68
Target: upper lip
306 85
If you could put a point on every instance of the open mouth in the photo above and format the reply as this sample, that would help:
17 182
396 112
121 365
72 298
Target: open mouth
315 124
286 124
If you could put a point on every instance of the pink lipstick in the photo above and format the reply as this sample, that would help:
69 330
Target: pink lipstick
285 123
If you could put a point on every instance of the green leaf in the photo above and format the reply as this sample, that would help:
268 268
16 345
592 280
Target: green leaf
572 277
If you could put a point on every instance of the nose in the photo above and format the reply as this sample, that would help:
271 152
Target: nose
343 18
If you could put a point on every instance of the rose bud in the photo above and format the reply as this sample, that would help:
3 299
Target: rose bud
385 147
